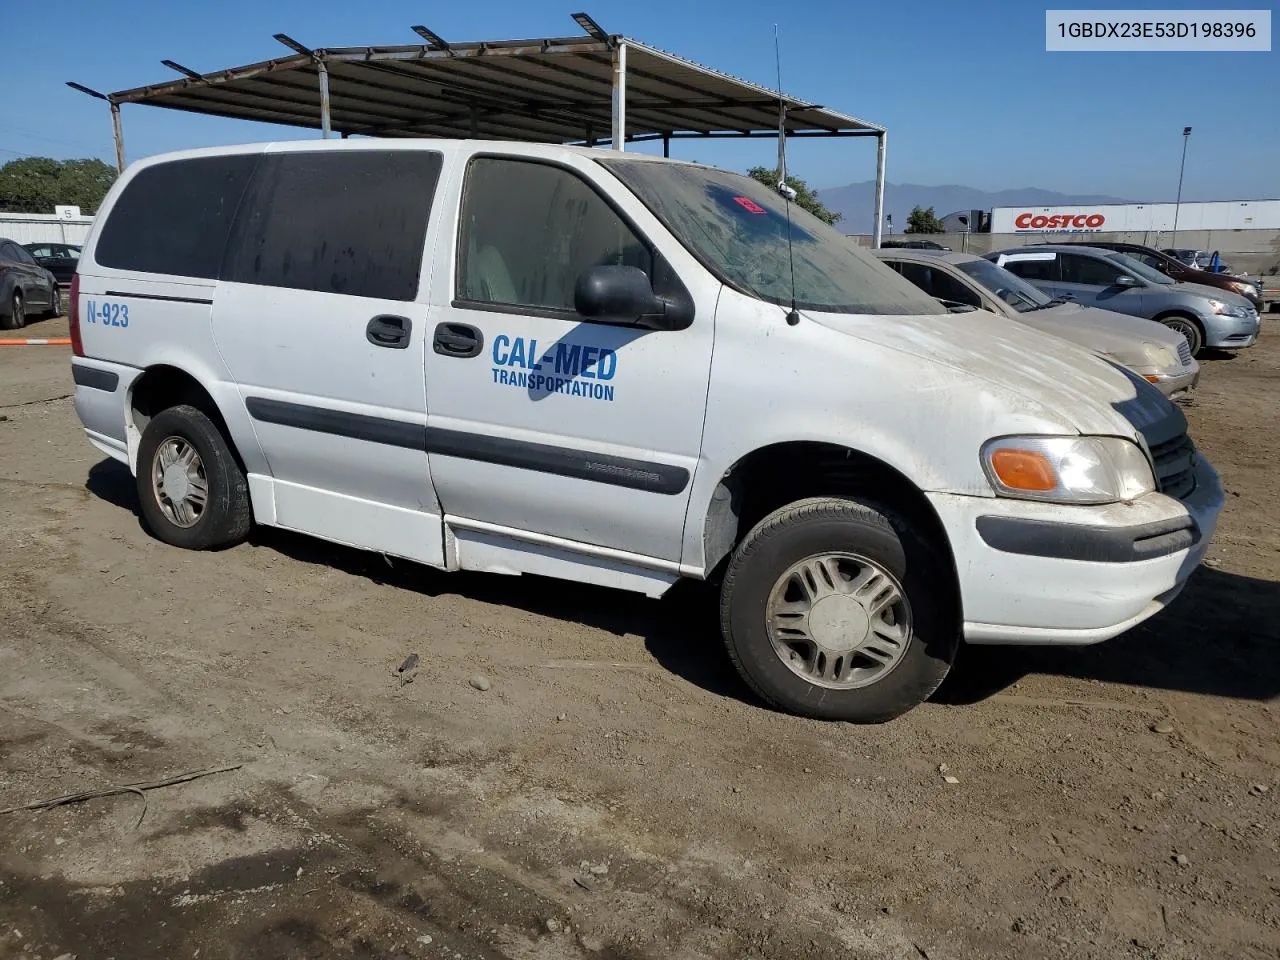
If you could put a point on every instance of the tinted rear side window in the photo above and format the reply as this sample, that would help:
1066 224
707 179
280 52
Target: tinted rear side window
174 217
353 223
1045 270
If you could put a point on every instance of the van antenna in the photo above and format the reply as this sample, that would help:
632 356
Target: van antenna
787 191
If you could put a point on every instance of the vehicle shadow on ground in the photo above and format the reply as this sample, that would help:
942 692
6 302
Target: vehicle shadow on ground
110 480
680 630
1221 637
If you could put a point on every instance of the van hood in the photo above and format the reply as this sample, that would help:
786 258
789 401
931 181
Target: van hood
1067 383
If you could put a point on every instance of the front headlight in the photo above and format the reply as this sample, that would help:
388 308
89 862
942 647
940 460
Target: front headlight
1161 356
1244 289
1227 309
1067 469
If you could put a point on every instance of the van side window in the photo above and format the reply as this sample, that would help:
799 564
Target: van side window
530 229
350 222
1045 270
174 217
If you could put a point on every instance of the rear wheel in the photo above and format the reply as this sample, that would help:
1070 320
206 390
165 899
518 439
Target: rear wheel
837 609
16 318
192 490
55 301
1189 329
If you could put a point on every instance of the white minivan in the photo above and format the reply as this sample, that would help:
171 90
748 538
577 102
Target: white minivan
623 370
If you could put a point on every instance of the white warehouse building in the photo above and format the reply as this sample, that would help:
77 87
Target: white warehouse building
1138 217
67 226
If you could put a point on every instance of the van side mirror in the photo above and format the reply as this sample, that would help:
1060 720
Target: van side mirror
1124 280
624 296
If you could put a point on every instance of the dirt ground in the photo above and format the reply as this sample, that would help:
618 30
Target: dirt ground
615 793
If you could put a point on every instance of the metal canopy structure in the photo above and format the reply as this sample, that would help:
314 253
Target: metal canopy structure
592 89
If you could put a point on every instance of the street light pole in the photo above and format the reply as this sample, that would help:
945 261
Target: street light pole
1186 135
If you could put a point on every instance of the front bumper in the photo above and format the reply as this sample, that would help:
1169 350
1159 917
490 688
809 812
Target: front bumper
1231 333
1089 574
1178 385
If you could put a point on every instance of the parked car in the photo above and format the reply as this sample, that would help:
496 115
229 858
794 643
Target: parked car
1187 256
26 288
1206 316
60 259
1154 352
641 370
912 245
1175 269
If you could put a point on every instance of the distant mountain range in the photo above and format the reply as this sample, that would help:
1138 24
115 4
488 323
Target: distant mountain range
856 201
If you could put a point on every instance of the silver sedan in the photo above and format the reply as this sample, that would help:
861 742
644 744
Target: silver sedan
1157 354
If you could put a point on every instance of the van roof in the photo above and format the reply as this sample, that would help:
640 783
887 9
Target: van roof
543 150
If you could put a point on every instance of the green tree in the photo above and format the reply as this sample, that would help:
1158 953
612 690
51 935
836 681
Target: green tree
924 220
38 184
805 196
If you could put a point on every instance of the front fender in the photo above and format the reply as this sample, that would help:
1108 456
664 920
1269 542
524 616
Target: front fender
773 383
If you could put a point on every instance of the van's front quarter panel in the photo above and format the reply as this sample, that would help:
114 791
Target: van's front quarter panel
772 383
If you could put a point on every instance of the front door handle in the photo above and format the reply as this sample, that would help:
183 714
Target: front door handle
389 331
459 340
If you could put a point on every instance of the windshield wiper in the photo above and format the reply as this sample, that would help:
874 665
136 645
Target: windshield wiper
1055 302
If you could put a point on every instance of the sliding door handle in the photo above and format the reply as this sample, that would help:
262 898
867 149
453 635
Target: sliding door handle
389 331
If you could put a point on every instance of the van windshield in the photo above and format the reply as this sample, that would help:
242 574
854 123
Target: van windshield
737 228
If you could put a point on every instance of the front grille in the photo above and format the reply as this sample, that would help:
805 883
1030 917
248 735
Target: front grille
1184 352
1175 462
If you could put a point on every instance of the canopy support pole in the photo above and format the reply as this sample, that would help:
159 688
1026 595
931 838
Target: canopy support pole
619 96
881 137
118 129
666 146
325 125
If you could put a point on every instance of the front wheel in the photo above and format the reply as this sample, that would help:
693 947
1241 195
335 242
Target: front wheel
836 609
192 491
1189 329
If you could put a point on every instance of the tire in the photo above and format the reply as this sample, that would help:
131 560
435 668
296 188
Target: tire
1189 329
224 517
16 318
55 301
867 538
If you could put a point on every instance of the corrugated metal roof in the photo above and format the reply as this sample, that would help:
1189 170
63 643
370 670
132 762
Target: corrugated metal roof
555 90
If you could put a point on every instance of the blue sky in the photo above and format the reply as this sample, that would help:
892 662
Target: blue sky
967 91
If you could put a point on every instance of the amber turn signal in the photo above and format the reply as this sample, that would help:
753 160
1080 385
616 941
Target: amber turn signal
1023 470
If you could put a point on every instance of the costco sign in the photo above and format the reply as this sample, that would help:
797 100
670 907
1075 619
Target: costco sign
1030 222
1059 221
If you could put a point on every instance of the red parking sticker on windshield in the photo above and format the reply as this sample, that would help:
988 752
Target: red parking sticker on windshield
748 205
